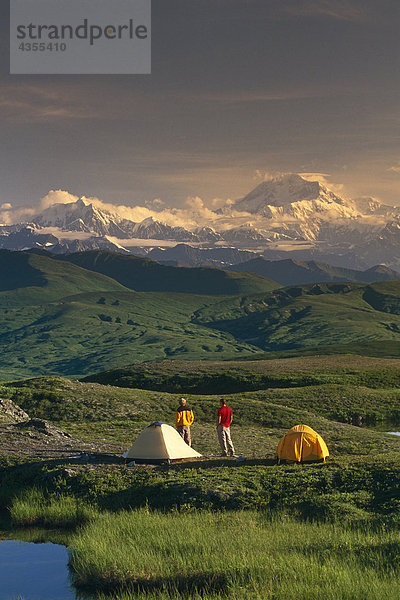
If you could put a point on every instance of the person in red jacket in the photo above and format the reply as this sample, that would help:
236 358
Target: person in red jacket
224 420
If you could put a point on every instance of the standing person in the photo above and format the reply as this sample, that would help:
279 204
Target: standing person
183 420
224 420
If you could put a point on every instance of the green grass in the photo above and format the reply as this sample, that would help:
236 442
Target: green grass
348 389
30 279
92 331
56 326
145 275
33 508
288 531
236 554
326 314
379 349
352 489
102 412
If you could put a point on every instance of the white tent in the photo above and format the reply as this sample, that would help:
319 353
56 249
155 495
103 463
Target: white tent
160 442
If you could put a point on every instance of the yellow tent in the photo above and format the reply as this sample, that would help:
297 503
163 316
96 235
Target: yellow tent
302 444
159 442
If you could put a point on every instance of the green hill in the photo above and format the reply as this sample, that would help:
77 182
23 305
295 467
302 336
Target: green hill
60 318
94 331
97 411
28 278
57 317
319 314
145 275
295 272
345 388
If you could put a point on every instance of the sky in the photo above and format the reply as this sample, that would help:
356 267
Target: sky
239 89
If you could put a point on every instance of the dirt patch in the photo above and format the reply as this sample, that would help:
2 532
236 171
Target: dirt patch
36 438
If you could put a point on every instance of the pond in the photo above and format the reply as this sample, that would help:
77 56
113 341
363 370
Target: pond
393 432
32 571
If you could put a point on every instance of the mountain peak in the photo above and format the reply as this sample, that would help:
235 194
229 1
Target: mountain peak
280 191
80 203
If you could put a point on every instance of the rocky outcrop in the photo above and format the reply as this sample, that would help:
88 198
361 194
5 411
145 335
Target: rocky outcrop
44 427
15 412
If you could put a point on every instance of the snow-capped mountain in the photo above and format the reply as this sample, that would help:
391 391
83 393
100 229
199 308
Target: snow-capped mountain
285 216
308 210
30 236
151 228
285 193
80 216
207 234
244 233
84 216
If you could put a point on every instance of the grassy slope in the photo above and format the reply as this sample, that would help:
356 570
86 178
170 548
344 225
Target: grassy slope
340 387
52 318
311 315
29 279
59 327
359 486
292 272
145 275
261 416
78 335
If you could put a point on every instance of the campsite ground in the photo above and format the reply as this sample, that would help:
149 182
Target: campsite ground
317 531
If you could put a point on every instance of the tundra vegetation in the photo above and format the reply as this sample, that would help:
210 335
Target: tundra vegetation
217 527
75 315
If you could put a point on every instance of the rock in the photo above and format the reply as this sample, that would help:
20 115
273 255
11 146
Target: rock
42 426
8 407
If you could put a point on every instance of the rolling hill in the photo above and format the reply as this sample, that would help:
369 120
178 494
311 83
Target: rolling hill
59 318
94 331
28 278
146 275
318 314
295 272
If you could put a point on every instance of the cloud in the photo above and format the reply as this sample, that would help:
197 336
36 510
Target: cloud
48 102
56 197
260 175
276 93
395 168
221 202
195 213
323 178
23 214
19 215
156 204
24 103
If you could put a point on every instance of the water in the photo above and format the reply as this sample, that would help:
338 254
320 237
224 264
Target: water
34 571
393 432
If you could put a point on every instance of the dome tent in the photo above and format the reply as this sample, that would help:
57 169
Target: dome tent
302 444
159 442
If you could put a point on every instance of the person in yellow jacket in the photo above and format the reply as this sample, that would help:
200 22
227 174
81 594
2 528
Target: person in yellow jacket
183 420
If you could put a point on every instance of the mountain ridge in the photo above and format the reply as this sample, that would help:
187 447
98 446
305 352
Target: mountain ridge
292 272
144 274
286 215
